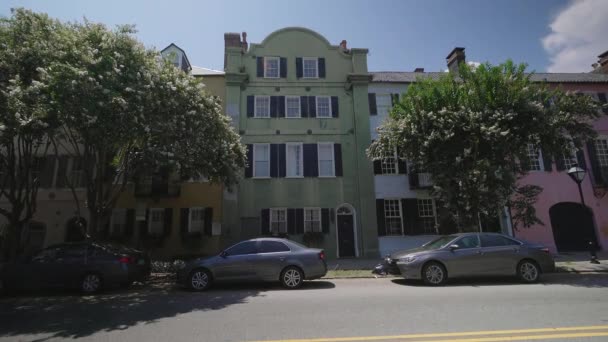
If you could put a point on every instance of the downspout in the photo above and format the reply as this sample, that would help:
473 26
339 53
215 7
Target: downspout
358 177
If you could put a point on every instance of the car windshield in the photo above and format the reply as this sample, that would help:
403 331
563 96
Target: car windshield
440 242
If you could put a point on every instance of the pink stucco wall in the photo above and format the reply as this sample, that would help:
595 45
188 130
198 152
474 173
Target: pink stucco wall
558 187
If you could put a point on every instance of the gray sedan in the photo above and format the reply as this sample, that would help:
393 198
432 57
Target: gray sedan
470 254
265 259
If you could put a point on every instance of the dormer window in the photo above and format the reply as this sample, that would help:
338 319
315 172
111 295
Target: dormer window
271 67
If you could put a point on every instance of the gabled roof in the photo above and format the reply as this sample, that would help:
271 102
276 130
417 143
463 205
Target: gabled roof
200 71
410 76
185 57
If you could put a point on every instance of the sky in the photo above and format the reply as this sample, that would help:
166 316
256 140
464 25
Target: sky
401 35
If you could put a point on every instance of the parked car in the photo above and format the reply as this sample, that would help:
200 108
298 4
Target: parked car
87 266
264 259
467 255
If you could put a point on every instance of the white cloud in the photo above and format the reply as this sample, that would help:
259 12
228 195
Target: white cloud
578 34
470 63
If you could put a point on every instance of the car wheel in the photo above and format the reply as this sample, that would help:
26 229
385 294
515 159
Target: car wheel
199 280
528 271
434 274
91 283
292 277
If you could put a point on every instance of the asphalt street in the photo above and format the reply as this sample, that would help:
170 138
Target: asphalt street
564 307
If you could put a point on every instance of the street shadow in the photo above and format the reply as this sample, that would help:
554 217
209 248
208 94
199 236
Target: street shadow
591 280
61 314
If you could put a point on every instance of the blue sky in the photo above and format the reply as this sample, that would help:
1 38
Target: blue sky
401 35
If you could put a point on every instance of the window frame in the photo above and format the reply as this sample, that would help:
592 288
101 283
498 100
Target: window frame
464 237
333 159
330 113
514 242
255 160
287 97
539 157
271 221
318 210
283 243
190 212
278 59
380 104
255 107
287 159
604 155
316 60
255 243
150 215
400 209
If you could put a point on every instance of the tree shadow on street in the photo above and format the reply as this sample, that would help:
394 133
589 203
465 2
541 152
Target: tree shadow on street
589 280
63 314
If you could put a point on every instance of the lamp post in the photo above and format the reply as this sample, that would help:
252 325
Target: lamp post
578 175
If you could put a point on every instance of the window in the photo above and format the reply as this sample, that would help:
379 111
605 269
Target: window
496 241
295 166
383 104
271 67
601 150
273 247
326 159
570 160
312 220
292 106
156 221
261 157
197 220
389 166
77 173
392 217
243 248
534 158
426 213
323 107
278 221
262 107
118 220
471 241
72 253
310 67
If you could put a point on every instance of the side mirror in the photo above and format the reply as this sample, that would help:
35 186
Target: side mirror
454 247
223 254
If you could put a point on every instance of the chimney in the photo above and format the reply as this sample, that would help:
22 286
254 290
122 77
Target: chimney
419 70
232 40
602 63
343 46
244 43
455 58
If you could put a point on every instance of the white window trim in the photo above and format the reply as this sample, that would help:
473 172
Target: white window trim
301 159
333 159
112 218
299 107
331 114
316 69
271 221
254 160
400 215
151 210
278 59
318 209
599 137
541 162
255 107
190 219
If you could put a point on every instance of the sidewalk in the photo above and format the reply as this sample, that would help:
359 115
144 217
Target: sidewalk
567 262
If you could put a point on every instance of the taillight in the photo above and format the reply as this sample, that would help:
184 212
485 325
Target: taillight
125 260
322 255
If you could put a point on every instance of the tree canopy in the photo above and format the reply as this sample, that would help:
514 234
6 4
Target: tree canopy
472 131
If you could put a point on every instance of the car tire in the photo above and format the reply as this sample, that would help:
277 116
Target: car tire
199 280
292 277
91 283
434 274
528 271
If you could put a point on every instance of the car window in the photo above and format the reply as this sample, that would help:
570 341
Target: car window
72 252
440 242
496 240
470 241
247 247
273 247
46 255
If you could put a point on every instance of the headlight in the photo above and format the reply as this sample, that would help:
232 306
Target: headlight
408 259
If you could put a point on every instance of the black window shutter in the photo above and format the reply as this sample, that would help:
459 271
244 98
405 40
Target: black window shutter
283 67
325 220
338 159
250 106
409 213
130 224
334 107
143 227
380 217
595 166
580 158
311 166
291 221
312 107
265 221
274 160
47 172
559 163
547 161
282 160
304 106
281 107
299 221
249 167
394 99
371 98
299 68
274 106
184 218
260 64
377 167
402 165
208 221
321 67
62 172
168 219
413 178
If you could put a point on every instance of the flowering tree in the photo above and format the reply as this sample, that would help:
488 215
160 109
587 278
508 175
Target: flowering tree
472 132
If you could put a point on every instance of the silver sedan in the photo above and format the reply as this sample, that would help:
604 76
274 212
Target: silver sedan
470 254
264 259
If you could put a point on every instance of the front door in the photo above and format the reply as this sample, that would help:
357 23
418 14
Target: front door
573 227
346 236
466 259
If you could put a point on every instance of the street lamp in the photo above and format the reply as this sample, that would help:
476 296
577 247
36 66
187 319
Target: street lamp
578 175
